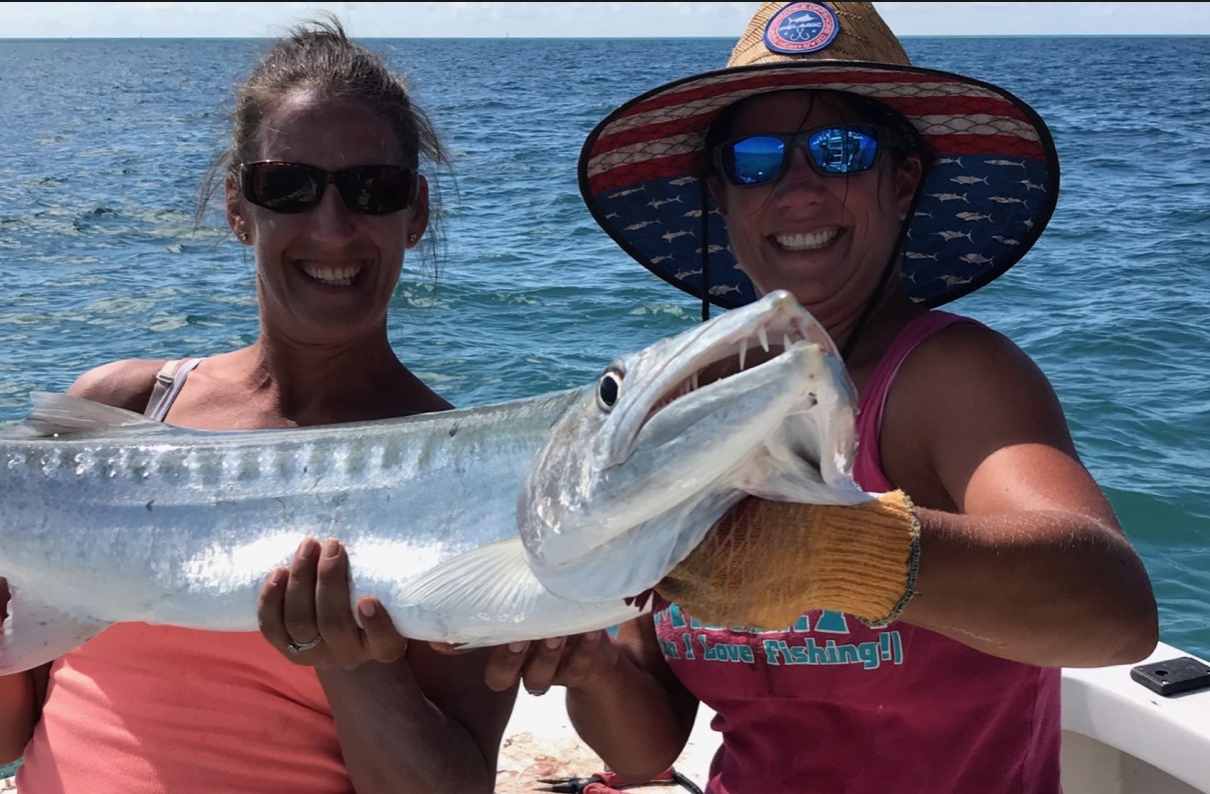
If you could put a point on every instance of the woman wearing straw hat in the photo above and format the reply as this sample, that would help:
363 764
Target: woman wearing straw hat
821 162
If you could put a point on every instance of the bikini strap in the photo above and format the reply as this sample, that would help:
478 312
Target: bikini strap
168 384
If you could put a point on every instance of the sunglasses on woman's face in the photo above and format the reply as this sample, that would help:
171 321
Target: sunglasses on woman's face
293 187
836 150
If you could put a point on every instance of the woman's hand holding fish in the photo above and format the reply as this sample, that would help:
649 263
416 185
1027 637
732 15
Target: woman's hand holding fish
541 664
304 613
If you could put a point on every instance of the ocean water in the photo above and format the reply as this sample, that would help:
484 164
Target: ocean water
104 144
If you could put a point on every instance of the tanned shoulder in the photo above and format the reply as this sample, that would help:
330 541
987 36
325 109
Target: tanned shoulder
122 384
961 396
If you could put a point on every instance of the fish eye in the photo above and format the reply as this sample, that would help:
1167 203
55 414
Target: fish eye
609 388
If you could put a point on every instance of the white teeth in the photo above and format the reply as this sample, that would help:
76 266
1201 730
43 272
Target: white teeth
743 351
694 380
785 341
764 339
337 276
805 242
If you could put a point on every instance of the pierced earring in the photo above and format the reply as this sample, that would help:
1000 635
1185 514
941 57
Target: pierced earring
243 236
412 238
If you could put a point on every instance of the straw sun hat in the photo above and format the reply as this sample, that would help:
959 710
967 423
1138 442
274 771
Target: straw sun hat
988 191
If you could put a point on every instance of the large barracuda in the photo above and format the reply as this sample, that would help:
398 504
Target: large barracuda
522 520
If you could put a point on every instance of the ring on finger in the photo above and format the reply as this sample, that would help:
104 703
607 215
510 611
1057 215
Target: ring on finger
298 647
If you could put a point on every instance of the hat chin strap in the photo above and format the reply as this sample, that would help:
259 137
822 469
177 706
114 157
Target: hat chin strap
703 196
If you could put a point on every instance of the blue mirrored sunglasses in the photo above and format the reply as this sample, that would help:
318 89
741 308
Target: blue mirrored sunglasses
836 150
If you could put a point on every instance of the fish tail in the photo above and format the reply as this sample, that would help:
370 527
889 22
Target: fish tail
35 633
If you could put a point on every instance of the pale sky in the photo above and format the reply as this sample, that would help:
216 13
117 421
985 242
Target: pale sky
456 20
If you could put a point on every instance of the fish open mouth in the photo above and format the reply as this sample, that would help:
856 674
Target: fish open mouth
736 345
760 345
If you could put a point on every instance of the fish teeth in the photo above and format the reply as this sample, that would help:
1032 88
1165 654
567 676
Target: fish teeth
763 337
743 351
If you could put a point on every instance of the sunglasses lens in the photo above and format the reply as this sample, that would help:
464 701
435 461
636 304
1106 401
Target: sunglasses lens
376 189
844 150
833 150
282 187
291 187
754 160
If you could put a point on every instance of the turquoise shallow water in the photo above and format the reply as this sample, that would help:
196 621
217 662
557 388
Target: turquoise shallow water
105 143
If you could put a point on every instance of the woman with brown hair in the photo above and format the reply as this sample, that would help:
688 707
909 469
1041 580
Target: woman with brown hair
323 182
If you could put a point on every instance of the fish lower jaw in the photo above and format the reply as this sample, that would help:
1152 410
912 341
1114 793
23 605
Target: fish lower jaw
812 241
332 276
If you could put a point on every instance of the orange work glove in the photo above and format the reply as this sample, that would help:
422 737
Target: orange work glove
766 562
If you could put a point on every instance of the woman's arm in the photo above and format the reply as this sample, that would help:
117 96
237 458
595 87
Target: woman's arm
1023 557
622 697
636 715
408 720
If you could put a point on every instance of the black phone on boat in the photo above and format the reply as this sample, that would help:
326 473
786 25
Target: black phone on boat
1173 676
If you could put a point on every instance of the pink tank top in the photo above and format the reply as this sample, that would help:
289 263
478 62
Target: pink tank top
146 709
829 705
162 710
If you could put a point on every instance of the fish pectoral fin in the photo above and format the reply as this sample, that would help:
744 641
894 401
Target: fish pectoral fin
490 580
35 633
490 592
62 414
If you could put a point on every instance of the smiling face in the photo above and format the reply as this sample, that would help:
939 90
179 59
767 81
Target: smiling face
826 239
326 274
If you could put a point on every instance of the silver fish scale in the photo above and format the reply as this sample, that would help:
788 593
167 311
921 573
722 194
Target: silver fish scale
162 525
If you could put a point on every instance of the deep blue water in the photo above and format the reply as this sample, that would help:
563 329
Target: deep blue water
104 144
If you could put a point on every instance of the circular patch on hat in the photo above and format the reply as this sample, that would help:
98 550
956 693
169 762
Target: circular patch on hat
801 27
